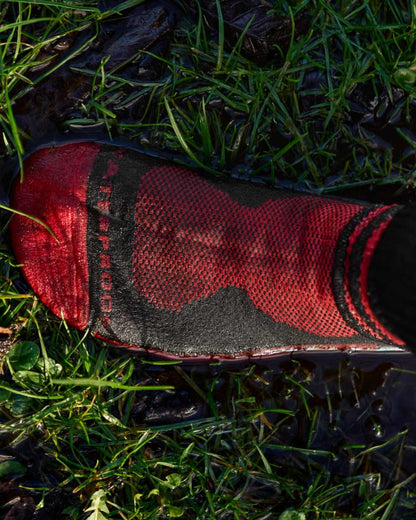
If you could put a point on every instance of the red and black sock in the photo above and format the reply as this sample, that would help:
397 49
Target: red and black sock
152 255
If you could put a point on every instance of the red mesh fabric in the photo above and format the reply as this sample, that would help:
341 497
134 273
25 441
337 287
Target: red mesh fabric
193 239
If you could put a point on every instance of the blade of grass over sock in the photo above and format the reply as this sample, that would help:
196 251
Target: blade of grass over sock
38 221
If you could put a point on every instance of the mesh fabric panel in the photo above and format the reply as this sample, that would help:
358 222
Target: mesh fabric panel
192 240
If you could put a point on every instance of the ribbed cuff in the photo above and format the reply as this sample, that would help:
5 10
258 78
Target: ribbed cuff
355 252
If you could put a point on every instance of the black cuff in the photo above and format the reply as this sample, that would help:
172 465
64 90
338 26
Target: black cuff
392 276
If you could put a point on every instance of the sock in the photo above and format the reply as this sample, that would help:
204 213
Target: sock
153 256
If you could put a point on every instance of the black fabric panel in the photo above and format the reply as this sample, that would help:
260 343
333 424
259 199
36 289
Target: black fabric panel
121 230
392 277
338 272
355 267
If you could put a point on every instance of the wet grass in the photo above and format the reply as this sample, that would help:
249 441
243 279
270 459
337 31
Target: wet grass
333 109
124 437
127 438
322 114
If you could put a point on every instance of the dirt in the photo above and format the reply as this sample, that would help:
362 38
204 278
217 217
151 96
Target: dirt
381 119
126 40
261 32
21 494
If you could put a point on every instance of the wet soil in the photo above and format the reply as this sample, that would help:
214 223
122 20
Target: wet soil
126 43
361 400
21 494
266 33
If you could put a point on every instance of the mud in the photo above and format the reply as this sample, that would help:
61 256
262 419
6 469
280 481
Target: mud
378 134
20 494
361 399
54 106
353 414
262 33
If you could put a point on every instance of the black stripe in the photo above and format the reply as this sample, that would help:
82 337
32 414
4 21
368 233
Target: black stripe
338 271
121 232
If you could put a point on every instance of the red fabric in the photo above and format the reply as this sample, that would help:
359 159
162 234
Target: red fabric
193 239
54 190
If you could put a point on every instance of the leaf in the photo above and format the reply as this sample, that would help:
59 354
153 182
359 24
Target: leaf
50 367
11 467
28 376
173 480
19 405
186 452
98 506
174 511
23 356
4 395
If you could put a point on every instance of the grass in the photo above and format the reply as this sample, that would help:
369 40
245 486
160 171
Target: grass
292 119
124 437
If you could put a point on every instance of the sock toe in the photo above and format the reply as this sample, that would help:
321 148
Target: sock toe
54 190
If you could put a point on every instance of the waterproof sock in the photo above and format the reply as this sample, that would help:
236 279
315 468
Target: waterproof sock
151 255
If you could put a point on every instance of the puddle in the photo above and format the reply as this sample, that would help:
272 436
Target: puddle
351 414
361 399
